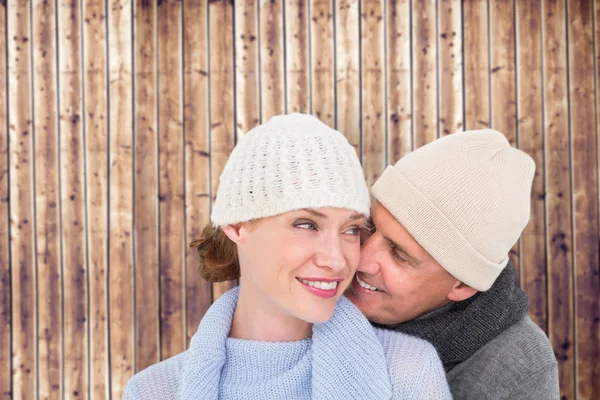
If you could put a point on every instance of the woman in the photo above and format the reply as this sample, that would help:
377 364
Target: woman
286 222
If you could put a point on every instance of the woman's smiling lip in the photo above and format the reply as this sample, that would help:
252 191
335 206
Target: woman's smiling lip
321 279
322 287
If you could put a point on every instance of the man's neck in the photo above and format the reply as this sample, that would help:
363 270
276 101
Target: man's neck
256 318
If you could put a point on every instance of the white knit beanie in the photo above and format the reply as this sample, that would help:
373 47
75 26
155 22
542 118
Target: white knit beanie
465 199
292 162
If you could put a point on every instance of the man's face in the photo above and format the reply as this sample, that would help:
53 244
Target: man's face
397 280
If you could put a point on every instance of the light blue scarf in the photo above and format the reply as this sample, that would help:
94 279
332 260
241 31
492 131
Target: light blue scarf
348 360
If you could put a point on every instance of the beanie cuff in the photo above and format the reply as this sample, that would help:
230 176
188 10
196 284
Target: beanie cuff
228 216
434 232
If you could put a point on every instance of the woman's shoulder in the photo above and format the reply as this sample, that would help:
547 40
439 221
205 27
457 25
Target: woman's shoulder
158 381
401 345
415 368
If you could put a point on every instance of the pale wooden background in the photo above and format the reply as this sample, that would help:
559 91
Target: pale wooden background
120 115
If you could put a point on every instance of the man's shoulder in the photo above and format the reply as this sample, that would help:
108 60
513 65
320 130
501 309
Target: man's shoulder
158 381
524 345
519 354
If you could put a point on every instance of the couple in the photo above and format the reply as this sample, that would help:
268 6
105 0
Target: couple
433 275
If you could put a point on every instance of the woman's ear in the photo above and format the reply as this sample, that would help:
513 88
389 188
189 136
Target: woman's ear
232 232
461 291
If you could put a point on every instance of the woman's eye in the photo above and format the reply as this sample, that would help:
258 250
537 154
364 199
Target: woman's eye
306 225
355 231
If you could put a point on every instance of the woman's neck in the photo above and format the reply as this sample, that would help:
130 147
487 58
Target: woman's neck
256 319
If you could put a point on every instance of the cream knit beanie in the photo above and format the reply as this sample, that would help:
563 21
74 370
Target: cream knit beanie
292 162
465 199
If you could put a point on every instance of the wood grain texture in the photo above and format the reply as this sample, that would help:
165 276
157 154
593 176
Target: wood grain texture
559 237
21 198
450 65
297 50
171 180
272 90
530 125
476 64
399 86
48 201
5 267
584 163
502 82
146 235
75 308
96 149
321 56
373 89
247 69
348 90
222 112
121 274
424 72
197 157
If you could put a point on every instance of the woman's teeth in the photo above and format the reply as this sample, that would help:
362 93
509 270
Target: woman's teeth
365 284
320 285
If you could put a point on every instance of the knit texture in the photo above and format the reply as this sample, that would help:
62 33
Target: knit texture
517 364
292 162
489 346
465 198
345 359
464 327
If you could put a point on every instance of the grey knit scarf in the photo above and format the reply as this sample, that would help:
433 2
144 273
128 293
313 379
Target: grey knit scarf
463 328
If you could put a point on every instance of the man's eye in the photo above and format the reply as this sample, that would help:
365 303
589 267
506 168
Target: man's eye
398 256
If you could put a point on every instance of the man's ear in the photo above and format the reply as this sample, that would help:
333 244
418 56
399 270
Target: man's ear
232 232
460 292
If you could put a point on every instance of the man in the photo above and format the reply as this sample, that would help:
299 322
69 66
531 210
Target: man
437 266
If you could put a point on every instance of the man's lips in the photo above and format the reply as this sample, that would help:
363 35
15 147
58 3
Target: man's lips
365 285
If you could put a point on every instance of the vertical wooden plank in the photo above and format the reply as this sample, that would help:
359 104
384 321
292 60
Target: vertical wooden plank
531 141
96 149
450 82
197 145
585 197
476 64
347 100
121 312
399 76
21 199
246 66
146 243
171 179
502 71
272 89
321 55
373 89
5 320
558 193
502 81
222 119
425 72
297 97
72 201
47 205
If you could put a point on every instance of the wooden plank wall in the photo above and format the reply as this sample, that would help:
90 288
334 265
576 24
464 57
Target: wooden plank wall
119 116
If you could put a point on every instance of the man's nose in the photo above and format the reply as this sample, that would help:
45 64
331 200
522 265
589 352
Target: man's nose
369 255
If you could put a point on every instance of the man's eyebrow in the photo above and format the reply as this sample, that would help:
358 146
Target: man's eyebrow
415 262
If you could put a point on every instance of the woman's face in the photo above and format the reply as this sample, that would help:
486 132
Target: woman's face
300 263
